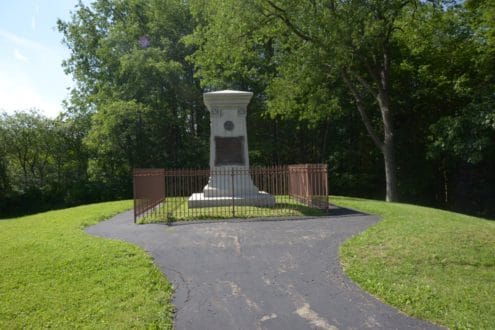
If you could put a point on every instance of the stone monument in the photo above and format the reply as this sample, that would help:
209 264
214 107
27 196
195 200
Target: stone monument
229 182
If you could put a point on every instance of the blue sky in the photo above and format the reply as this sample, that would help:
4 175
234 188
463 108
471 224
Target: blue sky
31 53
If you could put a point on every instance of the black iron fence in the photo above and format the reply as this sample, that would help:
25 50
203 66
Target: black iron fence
182 194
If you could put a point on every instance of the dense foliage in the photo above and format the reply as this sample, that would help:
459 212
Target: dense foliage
395 96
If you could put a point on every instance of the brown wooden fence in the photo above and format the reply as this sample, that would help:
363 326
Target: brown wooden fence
164 194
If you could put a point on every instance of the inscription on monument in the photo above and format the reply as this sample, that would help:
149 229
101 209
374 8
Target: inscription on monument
229 151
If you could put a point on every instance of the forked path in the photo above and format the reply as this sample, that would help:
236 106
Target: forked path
265 274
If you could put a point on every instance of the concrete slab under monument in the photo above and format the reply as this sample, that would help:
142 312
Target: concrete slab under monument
230 182
260 199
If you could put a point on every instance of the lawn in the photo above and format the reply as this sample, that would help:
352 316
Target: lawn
176 209
54 275
431 264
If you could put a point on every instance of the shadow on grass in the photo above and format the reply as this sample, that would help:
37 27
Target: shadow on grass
338 211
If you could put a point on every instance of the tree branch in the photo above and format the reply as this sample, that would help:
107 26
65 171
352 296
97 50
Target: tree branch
362 111
282 15
366 85
370 68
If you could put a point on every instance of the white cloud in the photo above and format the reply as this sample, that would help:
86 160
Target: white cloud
34 18
19 93
30 72
20 57
23 42
33 23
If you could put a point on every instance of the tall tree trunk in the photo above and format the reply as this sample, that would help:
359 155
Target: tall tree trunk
391 194
387 145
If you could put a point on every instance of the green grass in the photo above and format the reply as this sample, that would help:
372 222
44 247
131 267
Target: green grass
54 275
431 264
176 209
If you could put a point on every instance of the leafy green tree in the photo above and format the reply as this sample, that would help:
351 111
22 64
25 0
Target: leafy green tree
70 160
119 141
132 78
27 138
419 74
26 161
4 176
43 163
405 66
461 140
323 51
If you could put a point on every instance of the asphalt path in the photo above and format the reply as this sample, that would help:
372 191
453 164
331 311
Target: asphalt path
261 274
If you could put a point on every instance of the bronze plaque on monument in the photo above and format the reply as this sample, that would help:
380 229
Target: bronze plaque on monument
229 151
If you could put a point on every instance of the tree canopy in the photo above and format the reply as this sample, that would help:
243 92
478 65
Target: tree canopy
395 96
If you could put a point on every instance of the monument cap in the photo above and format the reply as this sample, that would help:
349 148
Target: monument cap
226 97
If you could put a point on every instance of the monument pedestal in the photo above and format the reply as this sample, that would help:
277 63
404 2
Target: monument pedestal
260 199
230 182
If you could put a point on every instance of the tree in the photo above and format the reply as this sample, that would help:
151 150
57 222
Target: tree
415 76
129 63
316 46
4 176
461 140
27 138
26 163
119 139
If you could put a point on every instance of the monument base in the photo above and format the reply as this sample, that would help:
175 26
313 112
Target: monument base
198 200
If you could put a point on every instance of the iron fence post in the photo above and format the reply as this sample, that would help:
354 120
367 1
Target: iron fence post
135 192
233 200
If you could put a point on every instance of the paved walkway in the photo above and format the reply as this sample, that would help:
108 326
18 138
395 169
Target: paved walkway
267 274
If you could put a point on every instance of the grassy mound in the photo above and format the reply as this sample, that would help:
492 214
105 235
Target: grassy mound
54 275
431 264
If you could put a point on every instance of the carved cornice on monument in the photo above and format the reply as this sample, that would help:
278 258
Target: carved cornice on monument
242 111
216 112
226 99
